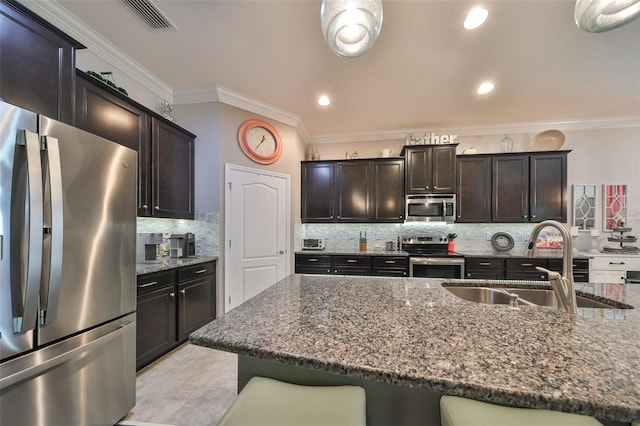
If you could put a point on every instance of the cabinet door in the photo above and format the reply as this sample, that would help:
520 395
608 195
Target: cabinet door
352 190
196 305
510 189
443 174
548 187
387 201
172 171
103 113
418 170
37 64
473 189
155 324
317 186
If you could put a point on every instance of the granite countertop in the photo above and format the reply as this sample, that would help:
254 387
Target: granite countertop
413 332
353 252
171 263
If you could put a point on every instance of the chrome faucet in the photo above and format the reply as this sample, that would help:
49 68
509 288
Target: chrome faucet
562 285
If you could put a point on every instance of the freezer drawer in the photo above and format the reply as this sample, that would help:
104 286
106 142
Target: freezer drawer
87 379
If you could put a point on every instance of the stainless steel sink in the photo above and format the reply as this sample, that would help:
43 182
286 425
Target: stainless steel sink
526 296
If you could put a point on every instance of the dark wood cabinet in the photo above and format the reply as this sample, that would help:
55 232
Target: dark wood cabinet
172 170
521 188
580 268
165 150
354 191
196 298
317 192
170 305
356 264
155 316
490 268
387 200
37 63
473 189
430 169
390 266
525 269
313 264
548 187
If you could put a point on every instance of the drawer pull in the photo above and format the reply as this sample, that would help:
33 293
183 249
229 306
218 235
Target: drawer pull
485 263
352 261
312 260
616 263
201 271
526 264
148 284
390 261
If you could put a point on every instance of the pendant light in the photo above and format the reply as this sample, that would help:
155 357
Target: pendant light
597 16
351 27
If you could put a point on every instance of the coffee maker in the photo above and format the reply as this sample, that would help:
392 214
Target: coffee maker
182 245
148 247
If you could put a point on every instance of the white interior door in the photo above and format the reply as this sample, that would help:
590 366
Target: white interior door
256 232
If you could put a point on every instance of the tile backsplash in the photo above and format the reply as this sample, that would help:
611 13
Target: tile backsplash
204 226
471 237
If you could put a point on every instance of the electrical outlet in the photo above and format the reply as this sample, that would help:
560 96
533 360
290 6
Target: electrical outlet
489 234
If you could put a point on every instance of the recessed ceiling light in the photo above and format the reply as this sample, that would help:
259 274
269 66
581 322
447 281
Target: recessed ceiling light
475 18
485 88
324 100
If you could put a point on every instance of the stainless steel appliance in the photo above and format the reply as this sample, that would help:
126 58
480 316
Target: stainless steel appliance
67 274
431 208
148 247
313 244
182 245
429 258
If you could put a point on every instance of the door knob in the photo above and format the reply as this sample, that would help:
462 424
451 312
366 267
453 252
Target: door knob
281 252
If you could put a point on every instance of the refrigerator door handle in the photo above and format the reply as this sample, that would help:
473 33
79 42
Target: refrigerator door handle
54 231
27 212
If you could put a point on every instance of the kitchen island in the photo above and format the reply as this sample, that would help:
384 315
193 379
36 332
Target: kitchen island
408 341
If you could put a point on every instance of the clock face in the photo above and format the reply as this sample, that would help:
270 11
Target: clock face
260 141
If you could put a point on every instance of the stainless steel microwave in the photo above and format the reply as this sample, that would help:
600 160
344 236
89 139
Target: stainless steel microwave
431 208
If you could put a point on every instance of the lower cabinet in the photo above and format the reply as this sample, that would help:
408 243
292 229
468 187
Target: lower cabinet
171 305
387 266
613 269
521 268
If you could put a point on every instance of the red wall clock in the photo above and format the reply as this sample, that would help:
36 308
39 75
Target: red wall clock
260 141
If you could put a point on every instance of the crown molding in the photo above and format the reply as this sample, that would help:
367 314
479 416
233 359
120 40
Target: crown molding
238 100
510 128
57 15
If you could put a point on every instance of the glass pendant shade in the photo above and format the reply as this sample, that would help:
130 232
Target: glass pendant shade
351 27
597 16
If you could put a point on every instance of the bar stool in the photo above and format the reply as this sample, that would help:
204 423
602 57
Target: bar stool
456 411
266 401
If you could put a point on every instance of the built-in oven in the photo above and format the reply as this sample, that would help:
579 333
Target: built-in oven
429 258
431 208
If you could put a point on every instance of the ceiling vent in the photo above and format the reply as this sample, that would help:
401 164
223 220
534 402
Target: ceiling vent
149 14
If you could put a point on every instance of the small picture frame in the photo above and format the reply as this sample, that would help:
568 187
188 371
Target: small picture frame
614 198
584 206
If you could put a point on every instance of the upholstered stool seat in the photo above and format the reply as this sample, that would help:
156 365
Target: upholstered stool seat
266 401
456 411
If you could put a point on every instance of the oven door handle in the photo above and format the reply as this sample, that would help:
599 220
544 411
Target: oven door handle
436 261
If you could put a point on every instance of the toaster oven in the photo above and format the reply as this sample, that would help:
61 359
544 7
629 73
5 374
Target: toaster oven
313 244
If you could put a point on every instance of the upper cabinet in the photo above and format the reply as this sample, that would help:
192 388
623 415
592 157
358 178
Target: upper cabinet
37 63
512 188
165 150
430 169
355 191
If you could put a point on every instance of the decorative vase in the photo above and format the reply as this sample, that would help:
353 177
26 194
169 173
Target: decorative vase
507 144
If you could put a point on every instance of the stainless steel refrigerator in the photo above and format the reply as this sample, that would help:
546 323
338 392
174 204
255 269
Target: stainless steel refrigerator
67 273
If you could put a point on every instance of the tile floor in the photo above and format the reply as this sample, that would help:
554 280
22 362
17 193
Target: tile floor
190 386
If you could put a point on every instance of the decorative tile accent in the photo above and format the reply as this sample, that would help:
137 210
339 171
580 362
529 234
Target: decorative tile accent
205 226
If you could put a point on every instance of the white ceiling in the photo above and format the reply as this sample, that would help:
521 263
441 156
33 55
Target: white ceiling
421 74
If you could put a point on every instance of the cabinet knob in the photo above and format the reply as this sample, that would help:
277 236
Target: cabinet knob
172 294
533 216
426 187
183 291
144 206
157 207
525 216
